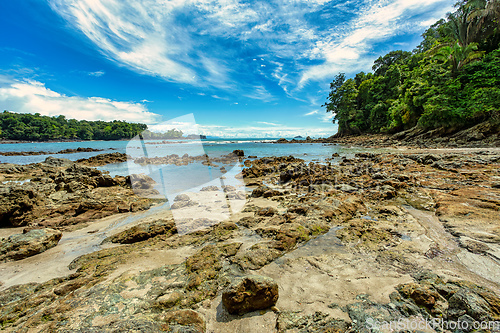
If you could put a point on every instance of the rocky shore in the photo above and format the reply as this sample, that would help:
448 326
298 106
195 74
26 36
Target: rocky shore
484 135
376 239
64 151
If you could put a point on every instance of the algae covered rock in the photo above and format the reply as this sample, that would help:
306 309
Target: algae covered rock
250 293
143 232
185 320
20 246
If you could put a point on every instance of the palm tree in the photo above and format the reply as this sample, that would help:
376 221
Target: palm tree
456 56
462 26
484 10
484 16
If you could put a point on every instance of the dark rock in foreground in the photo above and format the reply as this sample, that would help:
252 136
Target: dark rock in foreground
103 159
185 320
250 293
20 246
143 231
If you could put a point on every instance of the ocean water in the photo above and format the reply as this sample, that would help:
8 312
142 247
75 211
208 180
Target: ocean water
178 178
216 147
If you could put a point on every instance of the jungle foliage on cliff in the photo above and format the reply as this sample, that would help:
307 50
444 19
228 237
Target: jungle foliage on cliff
34 127
451 80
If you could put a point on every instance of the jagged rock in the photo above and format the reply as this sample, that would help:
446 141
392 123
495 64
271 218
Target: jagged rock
58 162
183 204
184 321
268 211
250 293
20 246
258 255
238 152
140 181
17 204
228 188
271 193
259 191
182 197
480 304
298 209
210 188
248 222
143 231
240 195
103 159
170 299
317 322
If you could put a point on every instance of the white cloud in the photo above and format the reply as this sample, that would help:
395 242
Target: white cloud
260 93
97 73
33 97
266 132
351 51
267 123
327 117
311 113
207 43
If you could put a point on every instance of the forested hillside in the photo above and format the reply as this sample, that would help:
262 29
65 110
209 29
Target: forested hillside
34 127
450 81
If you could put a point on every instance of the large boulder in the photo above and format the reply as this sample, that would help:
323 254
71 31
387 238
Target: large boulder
58 162
184 320
103 159
143 232
17 204
250 293
20 246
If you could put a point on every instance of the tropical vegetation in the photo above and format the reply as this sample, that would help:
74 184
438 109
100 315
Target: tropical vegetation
34 127
451 80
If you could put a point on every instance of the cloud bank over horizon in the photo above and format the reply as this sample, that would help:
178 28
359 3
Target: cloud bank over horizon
31 96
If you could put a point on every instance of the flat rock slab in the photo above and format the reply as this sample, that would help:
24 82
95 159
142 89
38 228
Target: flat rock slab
20 246
250 293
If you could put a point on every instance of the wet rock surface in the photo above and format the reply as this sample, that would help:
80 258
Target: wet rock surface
103 159
59 193
250 293
379 237
20 246
64 151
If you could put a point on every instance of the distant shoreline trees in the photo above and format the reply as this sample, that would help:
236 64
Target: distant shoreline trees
451 80
35 127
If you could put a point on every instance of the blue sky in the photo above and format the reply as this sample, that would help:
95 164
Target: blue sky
243 68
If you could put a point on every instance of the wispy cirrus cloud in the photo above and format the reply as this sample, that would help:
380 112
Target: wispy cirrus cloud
31 96
260 93
236 45
311 113
96 73
352 50
268 123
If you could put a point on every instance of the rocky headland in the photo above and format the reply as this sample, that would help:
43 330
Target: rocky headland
380 238
484 135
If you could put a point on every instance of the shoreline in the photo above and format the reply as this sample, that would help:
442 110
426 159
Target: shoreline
376 233
4 141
